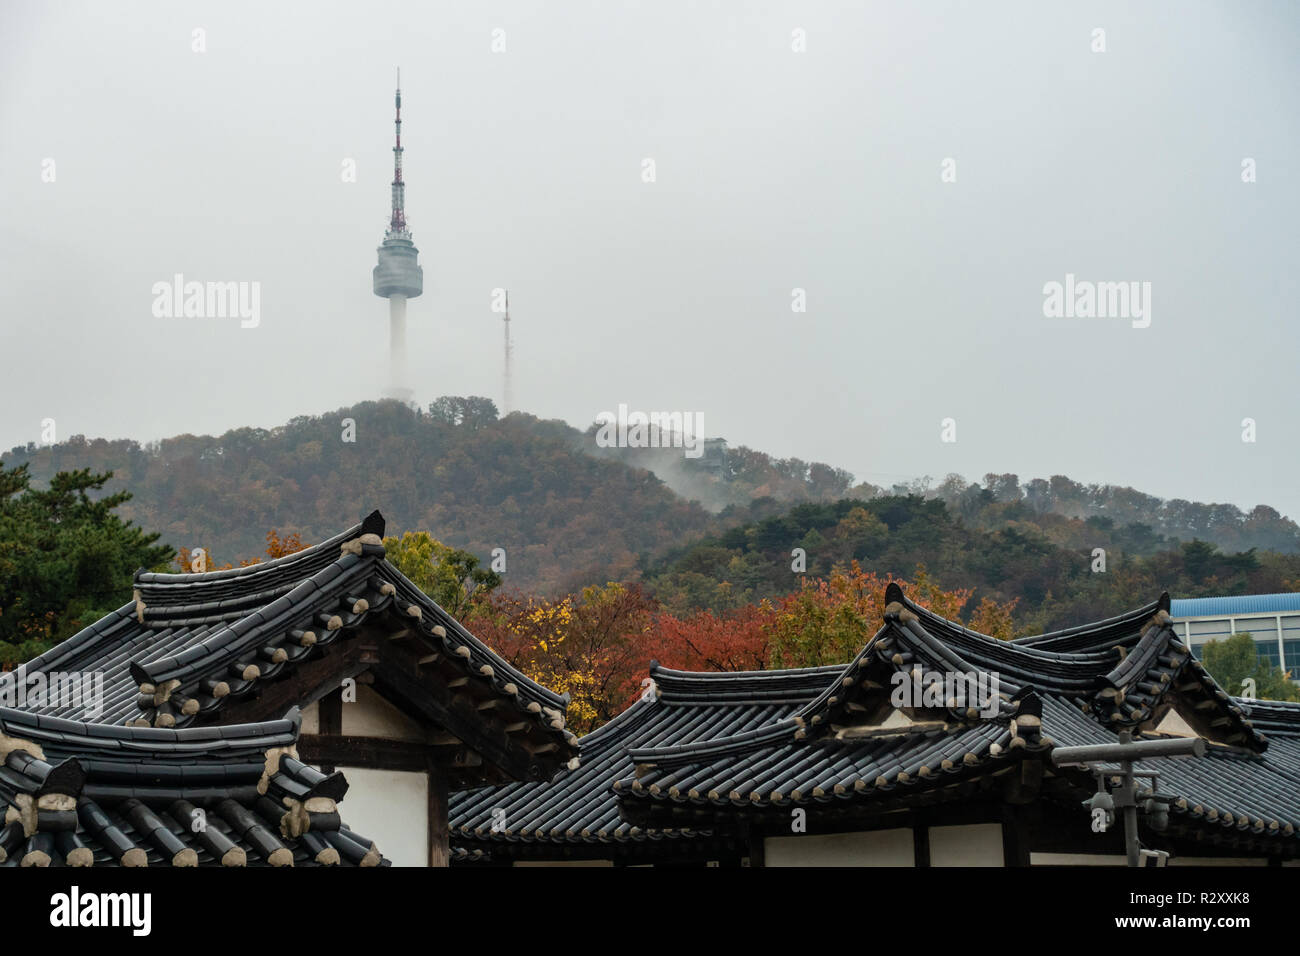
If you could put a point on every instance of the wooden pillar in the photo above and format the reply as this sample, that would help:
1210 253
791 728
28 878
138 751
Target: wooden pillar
753 835
439 834
330 713
1015 836
920 844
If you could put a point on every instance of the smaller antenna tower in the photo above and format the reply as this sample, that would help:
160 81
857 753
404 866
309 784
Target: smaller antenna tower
507 397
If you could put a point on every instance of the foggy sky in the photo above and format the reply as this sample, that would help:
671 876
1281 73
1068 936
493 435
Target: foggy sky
775 170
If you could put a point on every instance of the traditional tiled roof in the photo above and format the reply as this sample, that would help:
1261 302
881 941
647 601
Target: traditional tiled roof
1230 796
578 808
849 752
1120 669
190 646
1273 718
78 794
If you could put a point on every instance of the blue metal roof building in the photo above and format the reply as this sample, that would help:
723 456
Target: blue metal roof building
1243 605
1273 620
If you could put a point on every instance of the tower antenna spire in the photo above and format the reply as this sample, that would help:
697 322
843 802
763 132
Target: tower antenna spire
397 224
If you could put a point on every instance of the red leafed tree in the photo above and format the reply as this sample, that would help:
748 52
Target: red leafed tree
707 642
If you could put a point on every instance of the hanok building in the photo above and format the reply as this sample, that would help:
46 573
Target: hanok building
78 794
389 685
576 818
856 776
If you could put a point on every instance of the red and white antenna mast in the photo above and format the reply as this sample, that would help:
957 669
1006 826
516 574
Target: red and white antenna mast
397 225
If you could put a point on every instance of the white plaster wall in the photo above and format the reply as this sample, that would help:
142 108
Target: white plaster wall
372 716
978 844
390 807
876 848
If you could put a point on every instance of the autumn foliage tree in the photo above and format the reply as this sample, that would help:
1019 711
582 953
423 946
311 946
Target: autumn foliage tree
597 644
200 559
591 645
278 547
704 641
828 620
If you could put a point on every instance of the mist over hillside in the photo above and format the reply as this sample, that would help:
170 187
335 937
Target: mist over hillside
567 511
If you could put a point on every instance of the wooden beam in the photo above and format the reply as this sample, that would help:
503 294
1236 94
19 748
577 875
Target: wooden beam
311 680
753 836
432 703
375 753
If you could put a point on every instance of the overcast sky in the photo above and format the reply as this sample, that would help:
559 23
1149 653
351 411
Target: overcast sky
775 170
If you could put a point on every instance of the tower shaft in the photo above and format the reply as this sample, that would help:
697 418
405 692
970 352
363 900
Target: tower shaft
398 387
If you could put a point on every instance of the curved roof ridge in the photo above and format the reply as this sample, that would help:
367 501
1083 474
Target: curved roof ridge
1155 640
1119 621
919 647
225 644
1126 690
1066 638
159 743
656 669
941 627
894 592
696 687
1019 665
732 743
373 524
943 653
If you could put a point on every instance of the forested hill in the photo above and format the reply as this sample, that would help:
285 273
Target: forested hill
1054 578
569 513
478 482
